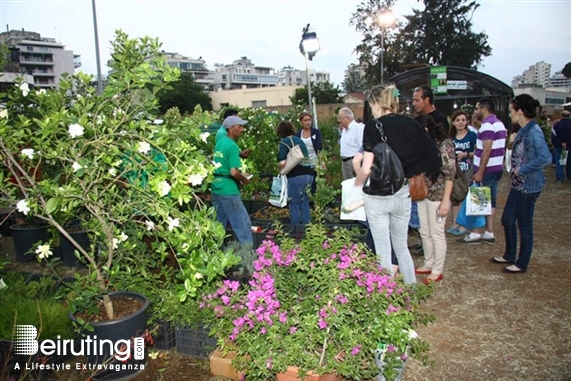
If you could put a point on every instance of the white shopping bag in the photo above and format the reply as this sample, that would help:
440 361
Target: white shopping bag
479 201
352 201
278 194
563 157
508 160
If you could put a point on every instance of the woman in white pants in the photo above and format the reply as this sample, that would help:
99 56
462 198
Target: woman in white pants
434 209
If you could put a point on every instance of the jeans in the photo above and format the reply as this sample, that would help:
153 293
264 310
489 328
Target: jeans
230 209
491 180
519 208
559 175
297 188
388 218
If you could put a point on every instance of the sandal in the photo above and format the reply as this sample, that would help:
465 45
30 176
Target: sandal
460 232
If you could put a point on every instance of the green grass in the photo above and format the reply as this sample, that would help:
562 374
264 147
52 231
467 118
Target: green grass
34 303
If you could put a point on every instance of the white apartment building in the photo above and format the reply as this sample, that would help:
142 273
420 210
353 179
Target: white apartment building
43 58
289 76
537 74
559 80
197 67
243 74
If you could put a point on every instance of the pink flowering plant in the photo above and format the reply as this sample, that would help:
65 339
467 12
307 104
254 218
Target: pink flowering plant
322 304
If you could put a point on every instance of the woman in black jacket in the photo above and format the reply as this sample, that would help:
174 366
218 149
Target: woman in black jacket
388 216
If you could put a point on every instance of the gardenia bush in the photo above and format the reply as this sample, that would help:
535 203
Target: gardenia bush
322 305
71 154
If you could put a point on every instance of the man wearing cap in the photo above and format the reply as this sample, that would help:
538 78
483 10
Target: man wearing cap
561 140
222 131
227 179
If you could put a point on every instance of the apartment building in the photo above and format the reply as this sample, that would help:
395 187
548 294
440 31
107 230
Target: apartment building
537 74
289 76
559 80
243 74
197 67
41 57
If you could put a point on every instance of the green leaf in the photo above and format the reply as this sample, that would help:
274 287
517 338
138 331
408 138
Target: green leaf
52 205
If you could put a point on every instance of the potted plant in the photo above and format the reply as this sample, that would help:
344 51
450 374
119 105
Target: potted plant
134 182
321 305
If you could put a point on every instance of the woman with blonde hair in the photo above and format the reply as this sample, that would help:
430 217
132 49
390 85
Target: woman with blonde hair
388 216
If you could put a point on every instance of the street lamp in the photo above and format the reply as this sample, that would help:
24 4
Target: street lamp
385 19
308 46
99 81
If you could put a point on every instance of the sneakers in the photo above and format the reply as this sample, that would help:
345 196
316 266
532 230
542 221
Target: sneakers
468 239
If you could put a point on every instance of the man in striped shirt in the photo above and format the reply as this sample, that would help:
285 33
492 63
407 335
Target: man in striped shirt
488 160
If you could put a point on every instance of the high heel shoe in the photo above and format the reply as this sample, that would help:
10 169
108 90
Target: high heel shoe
430 280
422 271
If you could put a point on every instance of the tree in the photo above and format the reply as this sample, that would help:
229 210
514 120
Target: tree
4 56
354 81
441 34
323 92
185 94
566 71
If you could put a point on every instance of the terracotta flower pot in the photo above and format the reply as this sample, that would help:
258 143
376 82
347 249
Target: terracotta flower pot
292 374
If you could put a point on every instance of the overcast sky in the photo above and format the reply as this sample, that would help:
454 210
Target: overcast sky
521 33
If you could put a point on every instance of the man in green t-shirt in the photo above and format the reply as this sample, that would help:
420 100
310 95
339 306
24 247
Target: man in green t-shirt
227 178
222 131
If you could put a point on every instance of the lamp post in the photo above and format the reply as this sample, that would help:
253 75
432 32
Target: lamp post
99 81
385 19
308 46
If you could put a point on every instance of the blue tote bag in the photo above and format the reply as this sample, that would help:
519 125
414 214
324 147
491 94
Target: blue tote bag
469 222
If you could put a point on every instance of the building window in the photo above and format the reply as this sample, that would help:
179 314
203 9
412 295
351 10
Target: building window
30 48
43 49
258 103
222 105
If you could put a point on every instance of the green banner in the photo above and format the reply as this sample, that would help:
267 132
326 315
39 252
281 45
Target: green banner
438 79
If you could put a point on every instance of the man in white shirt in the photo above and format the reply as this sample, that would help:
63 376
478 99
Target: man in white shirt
351 140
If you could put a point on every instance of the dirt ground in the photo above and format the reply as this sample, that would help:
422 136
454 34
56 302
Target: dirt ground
489 325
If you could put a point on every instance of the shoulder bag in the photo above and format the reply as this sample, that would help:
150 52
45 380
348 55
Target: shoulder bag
294 157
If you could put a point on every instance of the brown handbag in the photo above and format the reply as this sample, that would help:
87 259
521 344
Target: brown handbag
417 187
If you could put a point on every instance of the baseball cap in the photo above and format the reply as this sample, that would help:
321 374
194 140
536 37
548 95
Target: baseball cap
565 114
233 120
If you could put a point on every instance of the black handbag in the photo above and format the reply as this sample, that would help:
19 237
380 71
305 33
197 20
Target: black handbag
387 175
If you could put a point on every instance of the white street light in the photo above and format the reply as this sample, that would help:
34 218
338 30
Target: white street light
385 19
308 46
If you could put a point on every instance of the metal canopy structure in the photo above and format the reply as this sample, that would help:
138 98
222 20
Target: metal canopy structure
477 85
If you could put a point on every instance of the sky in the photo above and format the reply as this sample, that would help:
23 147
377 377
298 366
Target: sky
521 33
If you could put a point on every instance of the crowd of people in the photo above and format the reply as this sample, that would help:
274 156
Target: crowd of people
430 144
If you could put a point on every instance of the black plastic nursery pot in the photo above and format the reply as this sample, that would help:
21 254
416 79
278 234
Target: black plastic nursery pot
129 329
68 249
25 237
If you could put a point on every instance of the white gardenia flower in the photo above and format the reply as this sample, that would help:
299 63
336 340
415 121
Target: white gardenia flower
28 152
76 166
123 237
43 251
412 334
195 180
2 284
204 136
115 243
173 223
150 225
23 207
144 147
25 89
164 188
198 276
3 113
41 91
113 172
75 130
